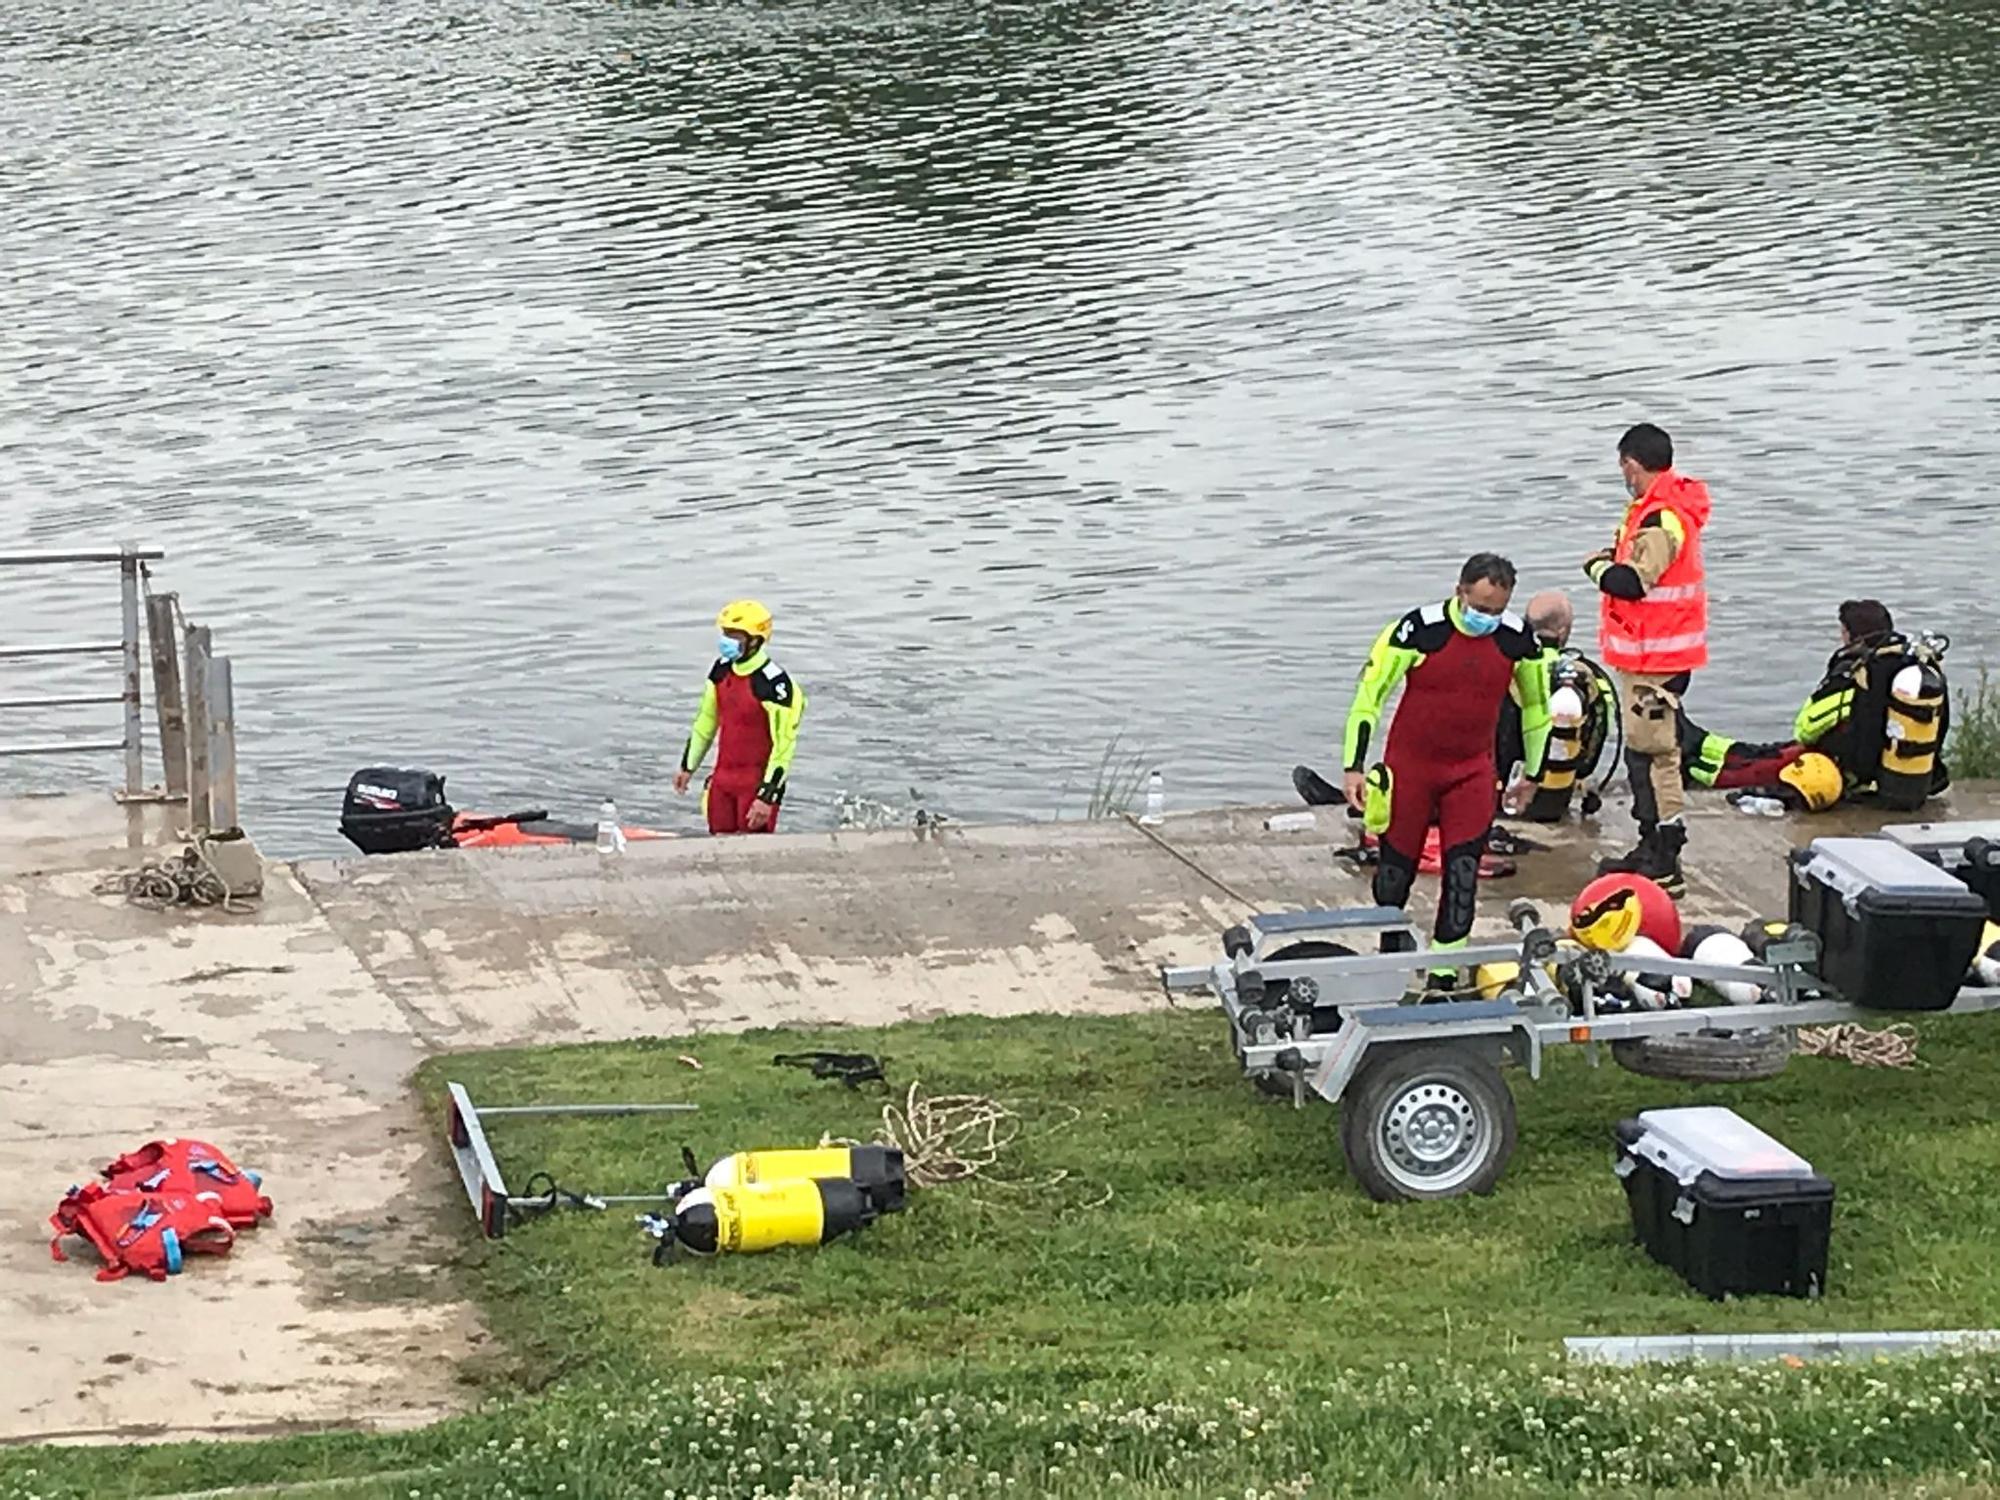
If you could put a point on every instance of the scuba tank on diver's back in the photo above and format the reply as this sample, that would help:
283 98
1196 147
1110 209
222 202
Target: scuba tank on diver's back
1579 700
1915 716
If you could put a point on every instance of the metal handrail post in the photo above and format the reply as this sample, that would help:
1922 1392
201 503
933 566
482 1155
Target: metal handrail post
135 742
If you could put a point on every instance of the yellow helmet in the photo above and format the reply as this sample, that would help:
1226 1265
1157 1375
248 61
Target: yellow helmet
1606 915
1816 779
746 615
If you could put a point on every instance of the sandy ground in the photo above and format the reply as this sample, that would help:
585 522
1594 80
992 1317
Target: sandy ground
288 1035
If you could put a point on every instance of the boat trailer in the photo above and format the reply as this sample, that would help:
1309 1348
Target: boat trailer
1425 1112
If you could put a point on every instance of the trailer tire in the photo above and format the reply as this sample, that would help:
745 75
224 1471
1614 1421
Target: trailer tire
1279 1085
1709 1056
1427 1120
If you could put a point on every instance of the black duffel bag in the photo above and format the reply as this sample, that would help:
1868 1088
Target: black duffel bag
389 811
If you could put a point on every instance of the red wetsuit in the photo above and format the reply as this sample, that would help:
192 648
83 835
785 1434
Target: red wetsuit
750 712
742 750
1440 746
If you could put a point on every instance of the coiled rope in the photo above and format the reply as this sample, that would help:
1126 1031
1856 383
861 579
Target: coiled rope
187 879
1891 1047
950 1138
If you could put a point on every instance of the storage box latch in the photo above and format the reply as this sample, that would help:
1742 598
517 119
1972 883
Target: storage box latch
1684 1209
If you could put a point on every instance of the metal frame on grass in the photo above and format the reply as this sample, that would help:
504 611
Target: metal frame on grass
480 1171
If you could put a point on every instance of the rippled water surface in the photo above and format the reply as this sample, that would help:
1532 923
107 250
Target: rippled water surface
1056 370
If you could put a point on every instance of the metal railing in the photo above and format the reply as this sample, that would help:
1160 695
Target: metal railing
197 732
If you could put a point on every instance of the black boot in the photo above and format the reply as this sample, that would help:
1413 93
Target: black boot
1669 840
1657 856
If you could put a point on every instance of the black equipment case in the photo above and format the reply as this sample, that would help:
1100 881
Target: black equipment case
1725 1205
1970 851
1896 932
387 811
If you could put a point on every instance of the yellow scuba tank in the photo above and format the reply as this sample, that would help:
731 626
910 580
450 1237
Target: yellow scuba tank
757 1216
1565 750
1576 737
1910 731
876 1170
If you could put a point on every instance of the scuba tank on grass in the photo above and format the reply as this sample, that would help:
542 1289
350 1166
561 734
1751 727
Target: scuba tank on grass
876 1170
752 1201
754 1216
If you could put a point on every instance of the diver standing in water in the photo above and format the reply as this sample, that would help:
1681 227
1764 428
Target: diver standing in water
1653 634
750 711
1457 662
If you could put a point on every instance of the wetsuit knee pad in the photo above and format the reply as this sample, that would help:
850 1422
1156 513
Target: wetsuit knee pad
1395 875
1459 896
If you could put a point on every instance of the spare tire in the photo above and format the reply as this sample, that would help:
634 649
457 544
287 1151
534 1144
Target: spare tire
1708 1056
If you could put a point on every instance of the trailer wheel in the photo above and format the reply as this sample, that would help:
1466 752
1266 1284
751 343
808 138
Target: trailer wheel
1432 1120
1276 1084
1708 1056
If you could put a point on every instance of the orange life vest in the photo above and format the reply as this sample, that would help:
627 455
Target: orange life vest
1666 631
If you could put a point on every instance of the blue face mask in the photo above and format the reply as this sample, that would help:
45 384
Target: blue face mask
728 649
1476 621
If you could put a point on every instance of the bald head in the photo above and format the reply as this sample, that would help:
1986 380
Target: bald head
1550 616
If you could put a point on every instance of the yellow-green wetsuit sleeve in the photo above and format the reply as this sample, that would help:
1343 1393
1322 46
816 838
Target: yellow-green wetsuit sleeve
702 733
1388 664
784 707
1824 712
1531 691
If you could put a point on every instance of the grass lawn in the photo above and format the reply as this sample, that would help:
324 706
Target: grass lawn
1237 1318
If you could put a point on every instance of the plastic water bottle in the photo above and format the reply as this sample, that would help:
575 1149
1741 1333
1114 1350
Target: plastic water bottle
610 837
1291 822
1763 807
1156 798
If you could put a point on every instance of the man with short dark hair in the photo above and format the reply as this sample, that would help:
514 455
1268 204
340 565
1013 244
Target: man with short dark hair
1456 662
1653 635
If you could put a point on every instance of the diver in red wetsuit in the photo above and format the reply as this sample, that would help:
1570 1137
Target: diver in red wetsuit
1457 662
750 711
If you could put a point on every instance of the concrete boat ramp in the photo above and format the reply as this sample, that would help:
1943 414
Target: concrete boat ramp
289 1033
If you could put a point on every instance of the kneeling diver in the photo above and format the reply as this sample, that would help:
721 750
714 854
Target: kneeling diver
1876 725
1582 700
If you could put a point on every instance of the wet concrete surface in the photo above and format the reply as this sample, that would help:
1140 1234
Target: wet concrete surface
288 1035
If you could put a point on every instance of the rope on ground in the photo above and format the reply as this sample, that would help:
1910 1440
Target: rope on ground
952 1138
1891 1047
187 879
1192 863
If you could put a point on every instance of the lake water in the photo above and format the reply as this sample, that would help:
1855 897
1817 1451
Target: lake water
1057 371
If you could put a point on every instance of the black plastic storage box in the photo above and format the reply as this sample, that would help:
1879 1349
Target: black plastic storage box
1718 1200
1895 931
1968 851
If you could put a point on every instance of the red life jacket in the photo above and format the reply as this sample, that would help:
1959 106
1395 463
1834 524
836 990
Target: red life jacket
1666 631
139 1231
192 1167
